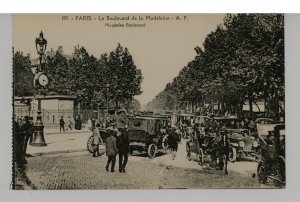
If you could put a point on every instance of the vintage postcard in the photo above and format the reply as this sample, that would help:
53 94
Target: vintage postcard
148 101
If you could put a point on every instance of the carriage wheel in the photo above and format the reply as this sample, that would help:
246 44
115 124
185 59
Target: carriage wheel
165 144
90 146
188 151
281 169
261 173
131 150
200 157
232 155
152 150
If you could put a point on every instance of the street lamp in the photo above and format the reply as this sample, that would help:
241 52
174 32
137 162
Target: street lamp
40 81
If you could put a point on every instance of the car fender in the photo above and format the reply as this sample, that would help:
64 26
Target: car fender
234 144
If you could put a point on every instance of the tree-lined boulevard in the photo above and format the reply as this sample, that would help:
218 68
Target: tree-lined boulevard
240 63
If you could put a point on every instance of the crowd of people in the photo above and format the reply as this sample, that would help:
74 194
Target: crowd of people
66 125
23 132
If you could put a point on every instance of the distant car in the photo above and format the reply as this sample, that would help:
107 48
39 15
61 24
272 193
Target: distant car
148 134
272 165
184 122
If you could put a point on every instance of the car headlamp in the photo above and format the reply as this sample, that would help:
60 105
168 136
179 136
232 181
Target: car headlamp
241 143
255 144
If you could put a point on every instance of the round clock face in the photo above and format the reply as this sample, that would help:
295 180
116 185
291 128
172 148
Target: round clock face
43 80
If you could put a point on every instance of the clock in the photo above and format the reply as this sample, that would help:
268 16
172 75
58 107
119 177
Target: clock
43 79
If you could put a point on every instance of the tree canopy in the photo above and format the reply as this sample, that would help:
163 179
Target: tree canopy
242 60
113 76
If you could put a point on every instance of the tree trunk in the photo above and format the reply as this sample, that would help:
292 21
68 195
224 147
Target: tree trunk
250 104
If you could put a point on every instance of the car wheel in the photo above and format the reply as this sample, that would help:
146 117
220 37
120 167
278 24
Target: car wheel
90 146
232 155
152 150
188 151
200 157
165 143
261 173
131 150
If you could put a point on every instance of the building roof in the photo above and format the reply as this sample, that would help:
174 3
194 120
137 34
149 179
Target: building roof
48 97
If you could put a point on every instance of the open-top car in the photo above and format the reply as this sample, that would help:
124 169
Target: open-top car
242 143
147 134
272 164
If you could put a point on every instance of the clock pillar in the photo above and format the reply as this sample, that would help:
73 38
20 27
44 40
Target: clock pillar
38 139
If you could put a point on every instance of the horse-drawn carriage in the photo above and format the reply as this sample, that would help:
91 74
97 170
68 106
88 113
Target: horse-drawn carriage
148 134
272 164
214 145
104 135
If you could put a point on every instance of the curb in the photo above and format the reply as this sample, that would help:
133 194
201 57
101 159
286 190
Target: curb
56 152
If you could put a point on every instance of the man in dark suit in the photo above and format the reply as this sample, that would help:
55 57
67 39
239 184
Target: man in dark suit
123 150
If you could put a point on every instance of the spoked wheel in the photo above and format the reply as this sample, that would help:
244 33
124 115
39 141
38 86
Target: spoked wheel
188 151
261 173
183 134
90 146
232 155
200 156
152 150
165 143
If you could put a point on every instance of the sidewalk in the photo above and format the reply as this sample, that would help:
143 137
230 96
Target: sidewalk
55 130
75 140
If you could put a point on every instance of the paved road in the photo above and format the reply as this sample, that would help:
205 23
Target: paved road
79 170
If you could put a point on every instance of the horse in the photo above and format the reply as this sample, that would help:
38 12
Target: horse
222 149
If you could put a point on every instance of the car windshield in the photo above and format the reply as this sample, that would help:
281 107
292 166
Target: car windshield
137 124
228 123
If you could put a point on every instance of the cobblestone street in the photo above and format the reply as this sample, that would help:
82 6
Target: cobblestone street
81 171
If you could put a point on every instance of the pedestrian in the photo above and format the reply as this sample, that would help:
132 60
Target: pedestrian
28 132
173 142
70 123
252 126
61 124
123 150
111 149
96 140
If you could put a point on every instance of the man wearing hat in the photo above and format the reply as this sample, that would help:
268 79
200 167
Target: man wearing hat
122 139
173 142
28 132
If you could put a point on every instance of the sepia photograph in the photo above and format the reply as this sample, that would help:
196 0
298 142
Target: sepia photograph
148 101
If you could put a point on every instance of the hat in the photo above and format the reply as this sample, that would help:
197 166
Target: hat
112 129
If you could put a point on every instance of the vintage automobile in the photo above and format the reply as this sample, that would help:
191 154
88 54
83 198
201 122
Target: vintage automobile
103 134
272 164
148 134
242 143
184 122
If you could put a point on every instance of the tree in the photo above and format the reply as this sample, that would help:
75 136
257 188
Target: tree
122 75
23 77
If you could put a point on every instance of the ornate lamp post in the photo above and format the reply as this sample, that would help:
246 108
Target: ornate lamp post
40 81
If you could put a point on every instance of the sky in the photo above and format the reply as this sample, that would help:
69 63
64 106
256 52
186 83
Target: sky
160 49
